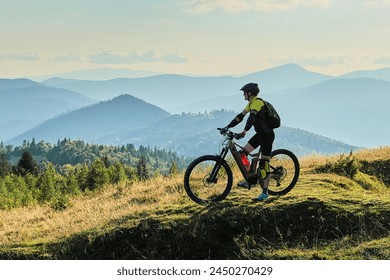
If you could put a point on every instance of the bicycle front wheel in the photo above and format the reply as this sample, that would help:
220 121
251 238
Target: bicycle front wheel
208 179
284 172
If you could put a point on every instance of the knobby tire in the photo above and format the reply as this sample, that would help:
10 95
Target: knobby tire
291 168
197 185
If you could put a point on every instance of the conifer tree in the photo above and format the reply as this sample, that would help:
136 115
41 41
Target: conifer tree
26 164
47 183
142 170
97 175
4 166
174 168
117 173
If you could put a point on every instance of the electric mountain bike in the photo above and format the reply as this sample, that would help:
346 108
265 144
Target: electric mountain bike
209 178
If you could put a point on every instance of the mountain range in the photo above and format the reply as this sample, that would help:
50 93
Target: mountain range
348 108
104 73
353 111
94 121
25 103
127 119
172 92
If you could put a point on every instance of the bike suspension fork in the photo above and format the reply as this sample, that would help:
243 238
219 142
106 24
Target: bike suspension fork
217 166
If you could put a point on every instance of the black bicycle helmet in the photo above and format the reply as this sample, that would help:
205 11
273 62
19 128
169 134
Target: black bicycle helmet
253 88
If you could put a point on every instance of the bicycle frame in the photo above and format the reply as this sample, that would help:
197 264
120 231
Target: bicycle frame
231 146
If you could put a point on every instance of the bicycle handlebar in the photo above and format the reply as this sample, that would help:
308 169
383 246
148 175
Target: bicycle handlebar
230 134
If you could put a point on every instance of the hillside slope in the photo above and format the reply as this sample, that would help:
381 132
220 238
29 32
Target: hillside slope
25 103
127 119
97 120
328 215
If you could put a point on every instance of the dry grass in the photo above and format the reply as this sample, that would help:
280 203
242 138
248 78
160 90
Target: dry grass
318 197
43 224
378 154
382 153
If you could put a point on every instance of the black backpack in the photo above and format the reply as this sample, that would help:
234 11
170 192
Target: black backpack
272 117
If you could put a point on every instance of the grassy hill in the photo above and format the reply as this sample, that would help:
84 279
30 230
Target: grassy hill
339 209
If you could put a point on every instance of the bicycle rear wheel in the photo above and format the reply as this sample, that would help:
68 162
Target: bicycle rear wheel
208 179
284 172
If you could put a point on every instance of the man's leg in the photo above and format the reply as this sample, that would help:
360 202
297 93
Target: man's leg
264 169
247 149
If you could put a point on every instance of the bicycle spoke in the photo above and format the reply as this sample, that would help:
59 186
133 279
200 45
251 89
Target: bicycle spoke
204 186
284 172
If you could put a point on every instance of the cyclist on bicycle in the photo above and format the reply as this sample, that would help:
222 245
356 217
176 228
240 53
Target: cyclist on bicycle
264 136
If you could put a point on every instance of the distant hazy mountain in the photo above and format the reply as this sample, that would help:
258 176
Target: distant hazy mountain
234 103
275 76
284 77
197 134
354 111
90 123
6 84
25 103
383 74
172 92
165 91
126 119
98 74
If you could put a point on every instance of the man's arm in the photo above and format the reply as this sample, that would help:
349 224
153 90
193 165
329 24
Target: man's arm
250 121
237 119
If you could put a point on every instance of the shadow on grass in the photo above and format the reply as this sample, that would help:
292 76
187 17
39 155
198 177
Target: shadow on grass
221 231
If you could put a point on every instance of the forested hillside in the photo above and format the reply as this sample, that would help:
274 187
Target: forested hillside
44 173
75 152
197 134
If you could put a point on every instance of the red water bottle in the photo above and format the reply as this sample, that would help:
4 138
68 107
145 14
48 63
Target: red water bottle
245 161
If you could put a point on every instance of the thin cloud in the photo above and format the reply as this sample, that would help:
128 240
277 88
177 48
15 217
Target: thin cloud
108 57
378 3
174 58
205 6
270 5
70 57
385 60
23 56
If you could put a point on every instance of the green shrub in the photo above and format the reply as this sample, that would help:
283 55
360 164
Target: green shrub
97 176
60 203
345 166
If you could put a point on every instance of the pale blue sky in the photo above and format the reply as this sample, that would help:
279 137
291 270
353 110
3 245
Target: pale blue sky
215 37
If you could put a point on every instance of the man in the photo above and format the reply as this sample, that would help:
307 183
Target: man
264 136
